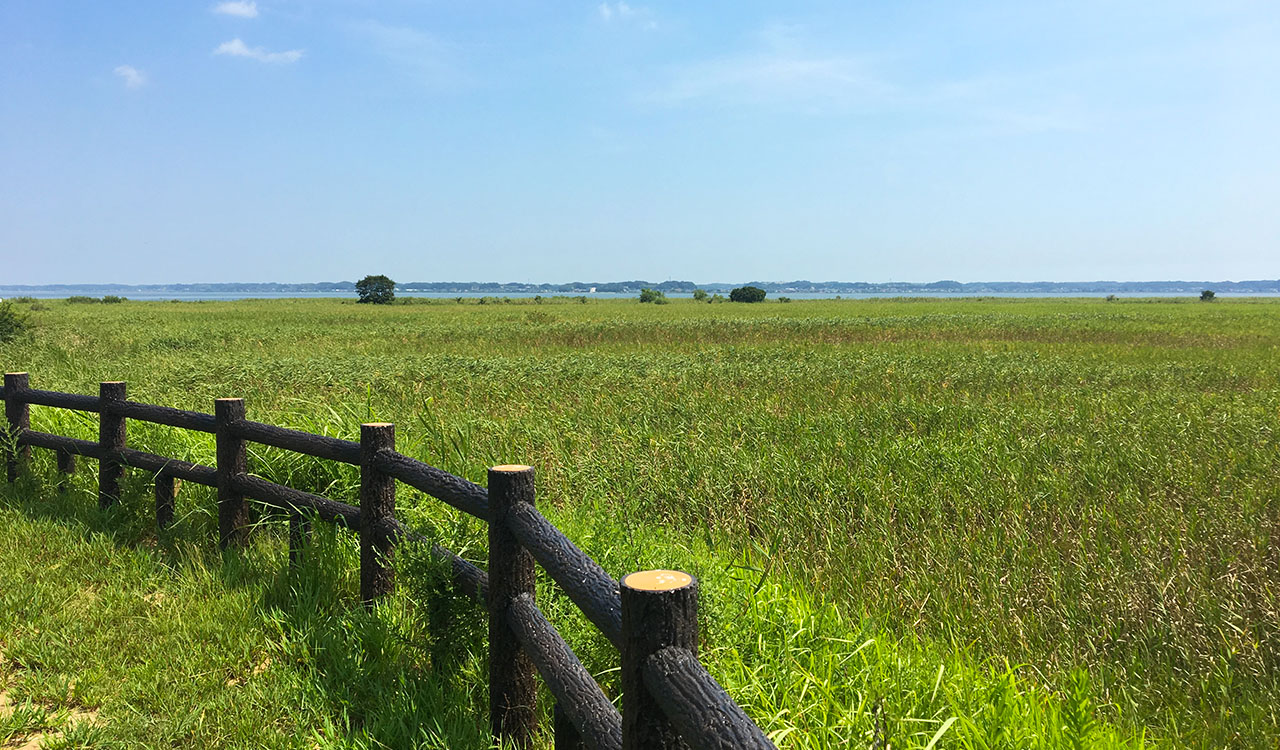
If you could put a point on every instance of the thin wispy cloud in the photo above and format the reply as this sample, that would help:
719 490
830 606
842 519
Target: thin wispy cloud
787 72
772 77
624 13
239 8
429 58
132 77
237 48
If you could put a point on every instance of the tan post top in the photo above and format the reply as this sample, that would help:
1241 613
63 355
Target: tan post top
511 468
657 580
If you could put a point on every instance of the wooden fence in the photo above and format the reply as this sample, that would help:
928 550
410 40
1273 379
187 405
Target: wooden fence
668 698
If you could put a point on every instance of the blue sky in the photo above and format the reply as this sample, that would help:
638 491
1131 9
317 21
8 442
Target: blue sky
151 142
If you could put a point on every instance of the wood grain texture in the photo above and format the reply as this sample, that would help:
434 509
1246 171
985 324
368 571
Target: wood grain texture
377 514
232 466
468 497
66 467
184 470
18 416
701 711
566 734
287 498
586 583
112 435
513 693
299 536
74 446
575 690
166 415
319 446
651 621
166 486
74 401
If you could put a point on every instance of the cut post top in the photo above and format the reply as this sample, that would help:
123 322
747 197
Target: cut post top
112 382
377 424
657 580
12 374
227 400
511 468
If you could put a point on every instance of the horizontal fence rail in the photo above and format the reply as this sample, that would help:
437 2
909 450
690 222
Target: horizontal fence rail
669 700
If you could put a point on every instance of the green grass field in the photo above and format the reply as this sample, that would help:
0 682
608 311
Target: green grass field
978 523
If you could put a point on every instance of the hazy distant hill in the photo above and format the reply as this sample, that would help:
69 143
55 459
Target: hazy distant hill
1264 286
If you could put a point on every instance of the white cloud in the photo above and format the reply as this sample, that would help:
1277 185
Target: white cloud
132 77
237 48
241 8
621 12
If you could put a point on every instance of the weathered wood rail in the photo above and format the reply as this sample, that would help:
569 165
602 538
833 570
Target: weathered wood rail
668 701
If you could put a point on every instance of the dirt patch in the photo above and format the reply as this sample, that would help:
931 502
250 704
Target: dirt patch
258 669
57 721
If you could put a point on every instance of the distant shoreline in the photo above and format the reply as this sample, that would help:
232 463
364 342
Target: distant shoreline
797 289
607 296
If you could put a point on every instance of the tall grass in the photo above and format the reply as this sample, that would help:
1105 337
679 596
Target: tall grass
1069 506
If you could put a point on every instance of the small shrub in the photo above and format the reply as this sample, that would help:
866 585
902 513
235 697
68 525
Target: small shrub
747 294
716 298
23 300
1207 295
1112 298
784 299
111 299
653 295
699 295
13 322
80 299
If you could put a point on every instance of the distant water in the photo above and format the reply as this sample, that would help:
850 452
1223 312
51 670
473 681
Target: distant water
212 296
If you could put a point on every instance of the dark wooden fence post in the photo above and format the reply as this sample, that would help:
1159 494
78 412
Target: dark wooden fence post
66 467
377 513
166 495
513 691
567 737
18 414
659 609
111 440
299 535
233 513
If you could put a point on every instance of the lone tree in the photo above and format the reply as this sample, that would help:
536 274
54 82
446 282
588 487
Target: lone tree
653 295
1207 295
376 290
747 294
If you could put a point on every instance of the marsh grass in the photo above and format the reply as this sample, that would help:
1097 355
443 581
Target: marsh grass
975 523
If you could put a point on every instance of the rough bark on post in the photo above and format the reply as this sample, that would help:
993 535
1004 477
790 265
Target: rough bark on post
18 414
299 536
66 467
567 737
233 512
377 513
166 495
513 690
111 440
659 609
